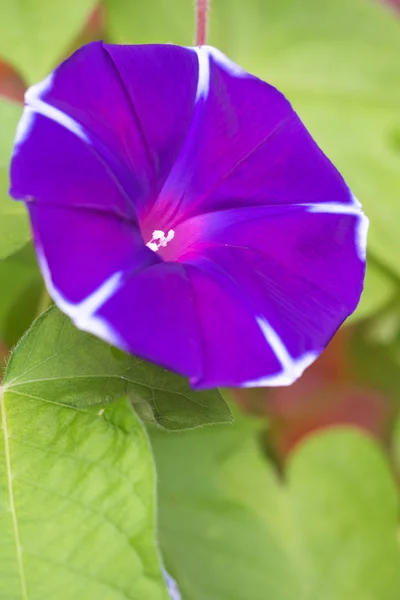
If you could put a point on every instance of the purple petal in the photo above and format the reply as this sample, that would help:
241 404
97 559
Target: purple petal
297 273
136 129
83 248
54 165
186 214
324 244
233 346
101 274
154 312
161 83
246 146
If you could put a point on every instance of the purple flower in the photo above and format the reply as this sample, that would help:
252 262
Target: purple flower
182 212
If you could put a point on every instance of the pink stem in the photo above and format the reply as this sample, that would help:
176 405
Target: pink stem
201 22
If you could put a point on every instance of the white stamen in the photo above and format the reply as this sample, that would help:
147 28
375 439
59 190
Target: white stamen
160 240
158 235
153 246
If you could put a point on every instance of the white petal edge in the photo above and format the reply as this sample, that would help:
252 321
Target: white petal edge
292 368
82 313
34 105
203 82
172 586
347 209
226 63
182 167
34 101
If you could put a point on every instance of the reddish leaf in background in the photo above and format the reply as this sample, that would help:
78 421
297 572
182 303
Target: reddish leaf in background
395 3
327 394
12 86
93 30
4 354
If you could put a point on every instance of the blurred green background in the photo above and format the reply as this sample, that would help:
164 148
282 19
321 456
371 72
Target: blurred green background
300 499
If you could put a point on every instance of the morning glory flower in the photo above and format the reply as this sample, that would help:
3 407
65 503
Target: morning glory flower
181 211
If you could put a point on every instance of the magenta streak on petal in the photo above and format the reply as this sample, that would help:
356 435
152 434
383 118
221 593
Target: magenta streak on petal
167 205
111 164
160 82
25 126
36 106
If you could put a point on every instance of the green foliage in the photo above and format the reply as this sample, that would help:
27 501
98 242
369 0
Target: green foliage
77 504
54 352
231 529
14 228
379 289
345 505
396 446
151 22
375 354
21 279
36 34
77 479
214 543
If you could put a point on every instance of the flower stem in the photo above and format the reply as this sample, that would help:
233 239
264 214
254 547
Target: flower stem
202 7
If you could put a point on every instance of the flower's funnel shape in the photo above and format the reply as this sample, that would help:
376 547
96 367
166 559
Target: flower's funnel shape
182 212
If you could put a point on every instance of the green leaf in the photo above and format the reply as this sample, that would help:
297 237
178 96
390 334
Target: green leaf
77 502
379 289
55 352
396 446
231 529
135 23
14 227
375 355
22 285
345 505
214 543
36 34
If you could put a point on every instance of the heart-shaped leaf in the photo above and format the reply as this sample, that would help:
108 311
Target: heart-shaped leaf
56 352
77 500
231 529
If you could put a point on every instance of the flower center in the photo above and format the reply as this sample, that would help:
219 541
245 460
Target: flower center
160 240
